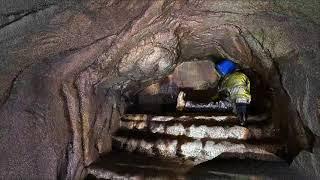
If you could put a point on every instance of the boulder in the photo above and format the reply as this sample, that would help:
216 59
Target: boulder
196 75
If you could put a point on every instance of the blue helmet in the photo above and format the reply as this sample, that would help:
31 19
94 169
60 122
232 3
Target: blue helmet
225 67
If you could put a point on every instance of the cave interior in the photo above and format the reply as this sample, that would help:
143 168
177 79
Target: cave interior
86 89
141 153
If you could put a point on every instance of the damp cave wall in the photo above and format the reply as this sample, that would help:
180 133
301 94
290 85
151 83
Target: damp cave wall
66 66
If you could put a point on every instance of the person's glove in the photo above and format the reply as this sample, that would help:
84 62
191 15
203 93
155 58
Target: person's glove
223 94
215 98
220 96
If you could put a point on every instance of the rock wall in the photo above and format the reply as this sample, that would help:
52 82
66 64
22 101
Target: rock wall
64 67
195 75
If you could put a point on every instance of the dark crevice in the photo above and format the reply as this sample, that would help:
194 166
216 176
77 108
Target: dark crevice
8 92
299 126
71 51
78 99
22 14
70 147
106 122
310 137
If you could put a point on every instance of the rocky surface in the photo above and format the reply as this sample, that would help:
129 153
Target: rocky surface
197 151
307 163
190 117
140 167
192 139
67 66
198 127
203 131
196 75
303 162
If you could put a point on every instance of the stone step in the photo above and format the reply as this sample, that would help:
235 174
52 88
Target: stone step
197 151
192 117
122 165
201 131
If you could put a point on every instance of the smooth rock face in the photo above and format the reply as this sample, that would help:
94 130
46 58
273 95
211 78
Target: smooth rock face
67 66
196 75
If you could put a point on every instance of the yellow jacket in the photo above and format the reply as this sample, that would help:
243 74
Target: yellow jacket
237 86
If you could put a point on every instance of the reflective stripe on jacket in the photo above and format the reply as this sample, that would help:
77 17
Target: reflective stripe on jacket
237 85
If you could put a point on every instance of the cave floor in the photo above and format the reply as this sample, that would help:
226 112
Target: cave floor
122 165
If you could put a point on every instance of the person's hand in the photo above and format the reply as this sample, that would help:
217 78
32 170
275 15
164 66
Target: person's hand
215 98
207 85
224 94
180 101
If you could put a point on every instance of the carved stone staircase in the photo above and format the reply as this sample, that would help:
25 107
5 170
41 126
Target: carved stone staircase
170 146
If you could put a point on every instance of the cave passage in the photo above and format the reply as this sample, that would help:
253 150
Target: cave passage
161 97
156 140
90 88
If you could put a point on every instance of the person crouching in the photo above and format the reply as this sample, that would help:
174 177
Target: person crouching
233 93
